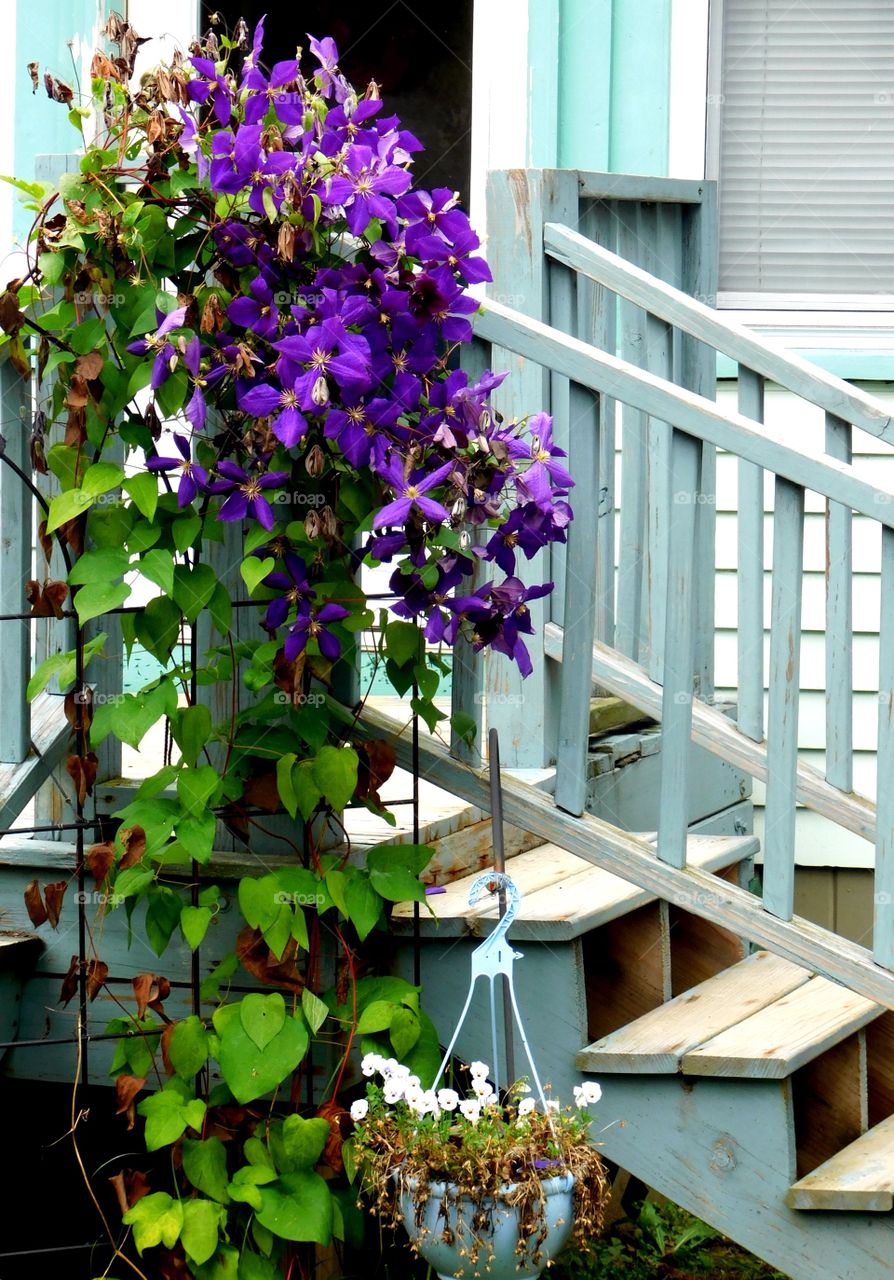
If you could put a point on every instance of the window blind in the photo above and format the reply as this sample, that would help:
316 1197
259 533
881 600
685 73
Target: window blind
807 147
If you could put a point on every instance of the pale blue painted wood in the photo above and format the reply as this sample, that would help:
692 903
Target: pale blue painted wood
15 566
637 186
585 76
697 372
545 79
597 323
579 619
750 570
640 106
883 927
519 203
634 444
563 315
839 622
679 648
694 414
782 716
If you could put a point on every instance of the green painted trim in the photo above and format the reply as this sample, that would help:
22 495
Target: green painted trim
853 364
640 101
543 84
585 84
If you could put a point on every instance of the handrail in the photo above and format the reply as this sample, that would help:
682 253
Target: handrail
691 413
633 859
640 188
728 336
718 734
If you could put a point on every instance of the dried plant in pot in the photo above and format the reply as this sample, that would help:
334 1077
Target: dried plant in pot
484 1185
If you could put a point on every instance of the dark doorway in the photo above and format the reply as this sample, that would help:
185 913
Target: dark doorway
421 55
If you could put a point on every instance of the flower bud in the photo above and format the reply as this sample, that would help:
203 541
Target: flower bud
320 392
312 525
329 523
314 461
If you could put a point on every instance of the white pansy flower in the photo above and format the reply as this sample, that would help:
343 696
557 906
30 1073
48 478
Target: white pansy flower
470 1109
479 1070
430 1103
370 1063
359 1109
448 1099
587 1092
393 1091
482 1089
526 1106
389 1066
413 1092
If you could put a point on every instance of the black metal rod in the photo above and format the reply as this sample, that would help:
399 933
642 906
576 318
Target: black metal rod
58 1248
28 616
496 822
417 932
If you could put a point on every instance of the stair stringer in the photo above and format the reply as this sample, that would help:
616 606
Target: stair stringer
725 1150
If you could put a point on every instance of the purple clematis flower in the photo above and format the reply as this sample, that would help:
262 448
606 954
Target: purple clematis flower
371 183
213 86
192 476
196 410
263 400
297 592
434 251
152 341
326 350
256 312
247 493
313 627
411 491
326 52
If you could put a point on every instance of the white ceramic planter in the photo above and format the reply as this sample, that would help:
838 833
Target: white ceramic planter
497 1259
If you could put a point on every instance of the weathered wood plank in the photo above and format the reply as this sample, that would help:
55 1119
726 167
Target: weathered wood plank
839 622
562 897
743 345
859 1177
782 710
50 733
632 858
691 413
750 570
658 1042
635 187
679 649
778 1039
579 594
15 548
883 920
719 735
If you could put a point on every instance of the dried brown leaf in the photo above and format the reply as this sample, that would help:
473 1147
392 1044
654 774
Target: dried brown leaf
255 956
34 73
89 366
70 981
46 601
126 1089
53 895
99 860
133 841
97 972
37 912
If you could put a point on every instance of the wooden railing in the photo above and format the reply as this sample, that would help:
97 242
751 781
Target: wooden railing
678 428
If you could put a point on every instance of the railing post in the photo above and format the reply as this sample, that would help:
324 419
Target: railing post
519 202
679 645
883 918
15 566
750 571
839 622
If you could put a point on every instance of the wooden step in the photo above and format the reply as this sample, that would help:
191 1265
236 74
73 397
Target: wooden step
784 1035
563 896
657 1042
859 1177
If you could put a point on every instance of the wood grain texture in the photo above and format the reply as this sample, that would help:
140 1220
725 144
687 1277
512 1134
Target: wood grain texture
782 1037
659 1041
859 1177
839 622
827 1094
50 734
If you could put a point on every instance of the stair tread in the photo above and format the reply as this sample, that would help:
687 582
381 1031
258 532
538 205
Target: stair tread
657 1042
779 1038
861 1176
563 895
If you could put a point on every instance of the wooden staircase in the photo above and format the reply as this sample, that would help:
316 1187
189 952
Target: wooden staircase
751 1090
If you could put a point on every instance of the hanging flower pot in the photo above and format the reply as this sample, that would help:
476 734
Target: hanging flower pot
507 1236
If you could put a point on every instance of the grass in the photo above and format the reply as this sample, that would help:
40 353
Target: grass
663 1242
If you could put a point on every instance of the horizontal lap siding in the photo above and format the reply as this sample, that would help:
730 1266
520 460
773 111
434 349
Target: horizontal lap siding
819 842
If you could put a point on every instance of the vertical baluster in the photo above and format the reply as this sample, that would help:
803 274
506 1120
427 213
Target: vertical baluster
679 651
782 719
631 551
467 681
579 619
15 567
883 926
839 622
563 315
597 323
699 373
750 570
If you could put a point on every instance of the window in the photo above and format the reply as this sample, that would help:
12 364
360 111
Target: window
805 153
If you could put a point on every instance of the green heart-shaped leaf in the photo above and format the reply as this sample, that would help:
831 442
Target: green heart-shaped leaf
262 1017
251 1072
254 570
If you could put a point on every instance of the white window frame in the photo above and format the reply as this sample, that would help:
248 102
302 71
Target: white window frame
857 322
